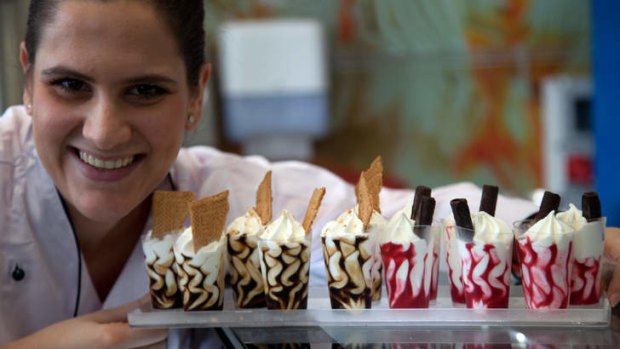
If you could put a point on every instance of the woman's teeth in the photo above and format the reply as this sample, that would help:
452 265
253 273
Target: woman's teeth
105 164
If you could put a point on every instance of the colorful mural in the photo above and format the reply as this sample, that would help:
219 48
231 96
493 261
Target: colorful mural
444 90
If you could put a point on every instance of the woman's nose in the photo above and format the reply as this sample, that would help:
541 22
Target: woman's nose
106 125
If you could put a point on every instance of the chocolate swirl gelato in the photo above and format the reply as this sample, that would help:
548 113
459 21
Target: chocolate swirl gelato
161 270
200 274
243 257
349 259
285 263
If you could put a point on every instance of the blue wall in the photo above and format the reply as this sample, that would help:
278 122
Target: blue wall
606 106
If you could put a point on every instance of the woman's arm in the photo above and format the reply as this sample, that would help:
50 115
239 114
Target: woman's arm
612 251
102 329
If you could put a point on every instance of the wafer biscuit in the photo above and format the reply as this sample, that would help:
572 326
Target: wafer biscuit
208 219
374 180
313 208
169 211
264 199
357 188
364 203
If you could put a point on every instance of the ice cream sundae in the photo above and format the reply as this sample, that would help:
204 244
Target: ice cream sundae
169 213
348 256
485 256
199 254
242 247
545 251
408 254
587 250
285 257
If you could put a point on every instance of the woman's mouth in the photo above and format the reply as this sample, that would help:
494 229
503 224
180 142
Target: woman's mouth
105 164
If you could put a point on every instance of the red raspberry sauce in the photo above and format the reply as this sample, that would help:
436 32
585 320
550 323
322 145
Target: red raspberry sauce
456 294
435 276
585 281
394 255
475 296
539 283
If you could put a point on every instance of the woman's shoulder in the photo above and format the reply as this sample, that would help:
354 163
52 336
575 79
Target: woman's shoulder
15 131
212 160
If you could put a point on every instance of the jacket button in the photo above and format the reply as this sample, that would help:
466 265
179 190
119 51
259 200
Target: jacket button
18 273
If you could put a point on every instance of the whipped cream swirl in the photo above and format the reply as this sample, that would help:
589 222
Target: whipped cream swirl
285 228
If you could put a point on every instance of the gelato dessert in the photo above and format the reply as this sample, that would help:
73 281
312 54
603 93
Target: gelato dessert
453 260
422 213
486 262
348 256
284 251
488 204
585 282
373 181
550 203
348 253
169 213
375 229
545 250
199 254
408 260
242 247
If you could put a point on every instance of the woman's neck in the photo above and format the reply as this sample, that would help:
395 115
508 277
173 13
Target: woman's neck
106 247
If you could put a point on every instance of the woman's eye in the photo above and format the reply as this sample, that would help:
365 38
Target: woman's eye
147 91
70 85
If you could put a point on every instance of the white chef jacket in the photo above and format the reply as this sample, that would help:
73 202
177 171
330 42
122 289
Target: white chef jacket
36 237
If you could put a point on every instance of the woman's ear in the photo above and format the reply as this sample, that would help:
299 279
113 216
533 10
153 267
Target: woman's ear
195 108
25 62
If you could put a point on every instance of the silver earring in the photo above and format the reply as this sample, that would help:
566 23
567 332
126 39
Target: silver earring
29 107
190 119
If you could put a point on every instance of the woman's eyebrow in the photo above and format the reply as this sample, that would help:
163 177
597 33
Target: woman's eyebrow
141 79
151 79
64 71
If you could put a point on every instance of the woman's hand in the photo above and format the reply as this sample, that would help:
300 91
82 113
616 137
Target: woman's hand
612 252
102 329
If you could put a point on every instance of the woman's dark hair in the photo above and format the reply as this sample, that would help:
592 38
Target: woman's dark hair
185 18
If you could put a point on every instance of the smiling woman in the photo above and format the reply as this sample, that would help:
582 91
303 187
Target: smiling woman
111 89
130 109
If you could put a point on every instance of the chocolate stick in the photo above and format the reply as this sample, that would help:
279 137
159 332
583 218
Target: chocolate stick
488 201
420 192
462 218
550 202
424 216
426 211
591 206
